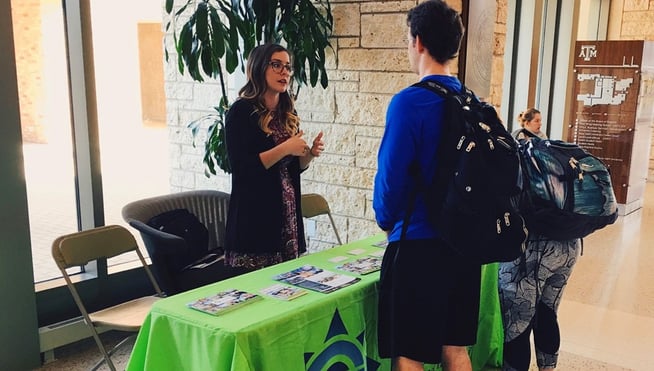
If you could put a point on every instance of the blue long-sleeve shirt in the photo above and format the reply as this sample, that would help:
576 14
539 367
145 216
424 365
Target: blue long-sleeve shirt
412 133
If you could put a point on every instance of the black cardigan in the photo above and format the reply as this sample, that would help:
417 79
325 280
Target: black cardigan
254 221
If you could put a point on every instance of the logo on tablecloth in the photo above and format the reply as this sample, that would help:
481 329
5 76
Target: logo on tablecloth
341 351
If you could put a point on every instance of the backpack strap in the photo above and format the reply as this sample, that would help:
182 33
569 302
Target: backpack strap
466 96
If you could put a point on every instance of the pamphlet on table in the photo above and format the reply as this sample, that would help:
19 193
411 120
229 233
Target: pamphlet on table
316 279
224 301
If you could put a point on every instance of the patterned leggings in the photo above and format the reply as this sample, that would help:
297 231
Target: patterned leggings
530 291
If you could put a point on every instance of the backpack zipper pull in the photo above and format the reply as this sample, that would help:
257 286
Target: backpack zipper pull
471 145
573 164
485 127
490 144
458 146
506 219
499 226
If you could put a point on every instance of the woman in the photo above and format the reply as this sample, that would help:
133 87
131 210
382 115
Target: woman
530 123
531 287
267 153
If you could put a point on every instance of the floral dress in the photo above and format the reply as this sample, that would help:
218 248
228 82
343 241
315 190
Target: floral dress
290 250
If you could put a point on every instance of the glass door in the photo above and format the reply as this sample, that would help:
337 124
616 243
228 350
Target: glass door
61 139
42 74
129 80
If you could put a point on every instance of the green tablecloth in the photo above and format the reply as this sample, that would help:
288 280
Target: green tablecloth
312 332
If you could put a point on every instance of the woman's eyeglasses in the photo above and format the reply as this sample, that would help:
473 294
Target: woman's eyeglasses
279 67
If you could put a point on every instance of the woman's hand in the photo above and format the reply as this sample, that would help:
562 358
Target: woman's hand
318 146
297 146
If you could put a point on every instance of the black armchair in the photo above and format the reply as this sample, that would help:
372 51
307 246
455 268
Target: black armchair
170 253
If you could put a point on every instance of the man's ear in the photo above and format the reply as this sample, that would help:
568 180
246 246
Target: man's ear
418 44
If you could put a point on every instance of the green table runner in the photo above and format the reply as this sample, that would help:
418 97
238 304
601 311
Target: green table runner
313 332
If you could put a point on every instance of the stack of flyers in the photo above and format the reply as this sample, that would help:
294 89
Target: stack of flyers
223 301
283 292
363 265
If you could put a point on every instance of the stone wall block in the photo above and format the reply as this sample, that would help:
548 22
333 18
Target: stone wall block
206 95
637 31
343 175
387 7
370 212
346 19
335 159
361 228
347 201
190 161
367 149
182 179
636 5
386 60
179 91
174 156
221 182
338 138
383 30
348 42
322 117
645 17
316 99
370 131
384 82
180 135
336 75
350 86
361 109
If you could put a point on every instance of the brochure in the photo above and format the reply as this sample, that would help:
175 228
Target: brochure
283 292
224 301
363 265
316 279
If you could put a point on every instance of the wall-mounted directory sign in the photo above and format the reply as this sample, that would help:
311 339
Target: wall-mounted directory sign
612 111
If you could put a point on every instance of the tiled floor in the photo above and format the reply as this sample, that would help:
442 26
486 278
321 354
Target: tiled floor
606 316
607 313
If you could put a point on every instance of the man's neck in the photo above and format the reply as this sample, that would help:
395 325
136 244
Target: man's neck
430 67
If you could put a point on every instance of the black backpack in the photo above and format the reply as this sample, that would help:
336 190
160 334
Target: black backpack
568 191
184 224
472 200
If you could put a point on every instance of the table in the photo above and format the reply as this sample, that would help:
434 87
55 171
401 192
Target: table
313 332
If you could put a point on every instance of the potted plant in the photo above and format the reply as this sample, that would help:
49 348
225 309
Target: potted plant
216 36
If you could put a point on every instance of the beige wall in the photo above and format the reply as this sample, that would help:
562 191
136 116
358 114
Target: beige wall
633 20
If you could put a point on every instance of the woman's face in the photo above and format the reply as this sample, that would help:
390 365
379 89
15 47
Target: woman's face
534 124
278 75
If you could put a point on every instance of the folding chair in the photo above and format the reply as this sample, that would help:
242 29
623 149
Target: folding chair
78 249
314 204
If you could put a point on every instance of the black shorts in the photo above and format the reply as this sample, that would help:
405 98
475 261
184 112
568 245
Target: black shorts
428 297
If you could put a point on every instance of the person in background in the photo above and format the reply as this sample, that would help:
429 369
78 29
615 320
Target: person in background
531 287
530 123
429 295
267 152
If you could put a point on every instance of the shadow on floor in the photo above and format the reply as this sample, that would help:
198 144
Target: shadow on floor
84 354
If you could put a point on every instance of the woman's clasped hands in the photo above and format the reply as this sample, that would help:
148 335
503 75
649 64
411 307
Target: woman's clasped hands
297 146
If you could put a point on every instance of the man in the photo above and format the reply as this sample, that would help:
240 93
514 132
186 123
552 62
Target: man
429 296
